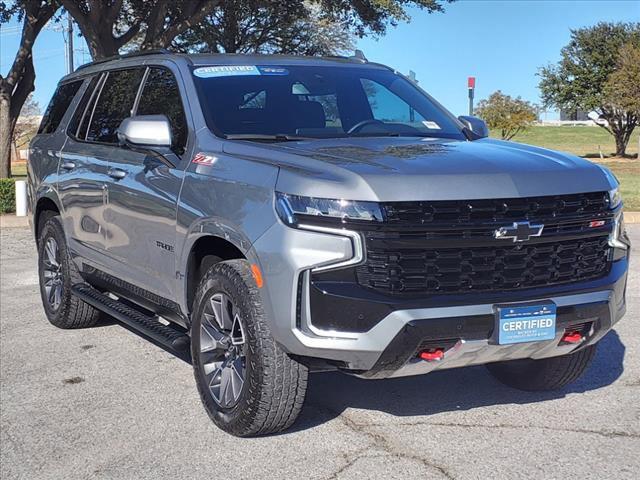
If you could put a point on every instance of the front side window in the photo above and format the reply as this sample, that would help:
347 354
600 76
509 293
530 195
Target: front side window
317 102
161 96
58 106
114 104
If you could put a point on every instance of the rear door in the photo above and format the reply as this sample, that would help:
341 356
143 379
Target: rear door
142 202
86 157
81 180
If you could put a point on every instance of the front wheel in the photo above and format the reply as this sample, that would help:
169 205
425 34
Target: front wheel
544 374
247 383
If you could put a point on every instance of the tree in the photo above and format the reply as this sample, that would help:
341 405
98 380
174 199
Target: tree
264 26
247 25
622 89
507 114
19 82
579 79
108 25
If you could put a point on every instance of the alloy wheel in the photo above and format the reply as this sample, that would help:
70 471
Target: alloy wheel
223 349
52 273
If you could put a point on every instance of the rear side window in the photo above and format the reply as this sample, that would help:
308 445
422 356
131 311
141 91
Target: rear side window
114 104
83 111
58 106
161 96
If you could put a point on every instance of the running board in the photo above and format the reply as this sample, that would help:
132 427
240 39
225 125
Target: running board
166 335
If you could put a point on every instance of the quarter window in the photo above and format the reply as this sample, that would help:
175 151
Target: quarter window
161 96
58 106
114 105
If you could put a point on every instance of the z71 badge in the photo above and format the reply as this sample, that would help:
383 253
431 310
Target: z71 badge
204 159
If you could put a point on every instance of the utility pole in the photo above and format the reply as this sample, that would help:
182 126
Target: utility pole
69 44
471 84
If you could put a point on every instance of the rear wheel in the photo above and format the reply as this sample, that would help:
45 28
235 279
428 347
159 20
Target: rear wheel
544 374
57 274
247 383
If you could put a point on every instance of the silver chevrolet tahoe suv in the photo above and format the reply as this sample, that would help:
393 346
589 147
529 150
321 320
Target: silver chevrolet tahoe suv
281 215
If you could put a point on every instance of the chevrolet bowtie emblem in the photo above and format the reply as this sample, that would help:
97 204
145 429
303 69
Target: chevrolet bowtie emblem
519 231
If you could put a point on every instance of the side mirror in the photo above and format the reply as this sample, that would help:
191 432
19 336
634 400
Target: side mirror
145 131
475 125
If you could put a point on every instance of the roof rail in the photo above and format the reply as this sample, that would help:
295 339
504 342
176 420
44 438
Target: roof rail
141 53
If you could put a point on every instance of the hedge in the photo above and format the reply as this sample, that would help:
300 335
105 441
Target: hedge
7 195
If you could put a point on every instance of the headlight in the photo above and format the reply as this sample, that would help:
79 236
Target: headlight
615 198
294 209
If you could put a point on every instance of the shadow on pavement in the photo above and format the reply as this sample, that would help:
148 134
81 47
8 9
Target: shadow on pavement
330 394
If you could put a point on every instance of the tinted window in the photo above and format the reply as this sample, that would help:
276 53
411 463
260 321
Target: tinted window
318 101
388 107
114 104
161 96
83 111
58 106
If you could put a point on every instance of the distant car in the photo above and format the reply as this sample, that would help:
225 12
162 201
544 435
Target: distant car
279 215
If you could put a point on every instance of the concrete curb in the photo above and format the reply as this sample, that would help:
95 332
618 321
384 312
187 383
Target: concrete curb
11 221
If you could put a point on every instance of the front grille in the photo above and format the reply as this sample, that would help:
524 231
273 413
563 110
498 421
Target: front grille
448 247
457 270
456 212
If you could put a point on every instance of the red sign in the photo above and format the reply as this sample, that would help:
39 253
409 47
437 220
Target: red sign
471 82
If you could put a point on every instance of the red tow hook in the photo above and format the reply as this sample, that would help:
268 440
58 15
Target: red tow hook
572 337
432 355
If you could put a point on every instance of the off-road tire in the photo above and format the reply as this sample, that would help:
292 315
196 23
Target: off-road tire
72 312
544 374
274 384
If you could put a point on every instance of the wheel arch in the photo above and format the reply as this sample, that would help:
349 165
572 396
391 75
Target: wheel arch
45 203
205 251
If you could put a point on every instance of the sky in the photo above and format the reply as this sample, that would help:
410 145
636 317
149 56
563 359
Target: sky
501 43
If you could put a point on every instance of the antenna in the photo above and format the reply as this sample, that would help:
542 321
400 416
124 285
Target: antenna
359 54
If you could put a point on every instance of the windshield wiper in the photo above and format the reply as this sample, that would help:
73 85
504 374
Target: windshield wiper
280 137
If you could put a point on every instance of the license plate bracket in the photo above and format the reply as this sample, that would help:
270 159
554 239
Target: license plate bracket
520 323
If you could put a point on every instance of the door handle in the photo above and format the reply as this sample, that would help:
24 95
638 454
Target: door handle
68 165
117 173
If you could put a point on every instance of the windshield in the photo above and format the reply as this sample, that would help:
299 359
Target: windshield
289 102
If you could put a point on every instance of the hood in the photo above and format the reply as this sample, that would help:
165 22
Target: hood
397 169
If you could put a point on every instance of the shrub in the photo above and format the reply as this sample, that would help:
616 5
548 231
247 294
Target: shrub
7 195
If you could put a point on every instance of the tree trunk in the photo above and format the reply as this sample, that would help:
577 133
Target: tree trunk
6 133
621 145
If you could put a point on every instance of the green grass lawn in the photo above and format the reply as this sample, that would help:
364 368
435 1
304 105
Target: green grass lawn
586 142
580 140
19 170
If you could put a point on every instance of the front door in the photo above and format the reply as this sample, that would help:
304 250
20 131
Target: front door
143 194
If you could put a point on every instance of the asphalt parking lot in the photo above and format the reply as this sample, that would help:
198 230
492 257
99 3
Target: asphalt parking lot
104 403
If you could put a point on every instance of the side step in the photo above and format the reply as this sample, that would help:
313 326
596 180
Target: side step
165 335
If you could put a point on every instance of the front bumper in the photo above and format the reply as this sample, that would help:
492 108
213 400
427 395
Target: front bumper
388 347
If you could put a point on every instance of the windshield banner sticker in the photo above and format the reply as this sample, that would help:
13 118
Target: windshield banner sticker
226 71
237 70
